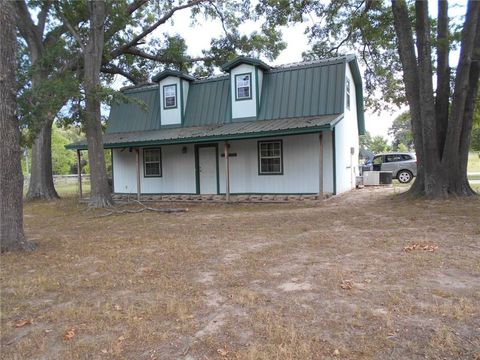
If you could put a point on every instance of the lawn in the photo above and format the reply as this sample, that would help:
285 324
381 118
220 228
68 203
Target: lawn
259 281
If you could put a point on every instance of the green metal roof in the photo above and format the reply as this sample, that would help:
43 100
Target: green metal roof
208 102
206 133
303 90
295 91
142 113
169 72
244 60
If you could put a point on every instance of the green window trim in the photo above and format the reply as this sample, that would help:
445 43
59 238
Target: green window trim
249 97
165 106
159 162
260 157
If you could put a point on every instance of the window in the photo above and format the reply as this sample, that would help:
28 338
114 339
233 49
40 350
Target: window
152 162
243 86
393 158
377 160
270 160
170 96
406 157
347 85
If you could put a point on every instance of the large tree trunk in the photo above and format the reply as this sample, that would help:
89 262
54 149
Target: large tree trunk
11 178
41 185
100 195
441 134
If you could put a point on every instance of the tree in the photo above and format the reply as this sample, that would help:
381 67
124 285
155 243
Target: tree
401 130
396 46
379 145
44 91
63 160
11 179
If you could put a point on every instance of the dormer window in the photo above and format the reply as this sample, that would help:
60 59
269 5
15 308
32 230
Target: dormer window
243 86
170 96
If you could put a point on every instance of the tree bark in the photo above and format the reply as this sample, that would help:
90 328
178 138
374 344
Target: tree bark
441 137
11 179
100 195
442 100
41 186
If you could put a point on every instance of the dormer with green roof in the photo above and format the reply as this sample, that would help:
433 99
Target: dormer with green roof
173 86
246 81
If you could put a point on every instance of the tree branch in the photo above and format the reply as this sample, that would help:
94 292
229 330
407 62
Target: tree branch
28 30
42 16
70 28
112 69
120 50
137 52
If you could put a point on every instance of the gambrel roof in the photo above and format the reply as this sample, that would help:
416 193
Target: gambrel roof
307 90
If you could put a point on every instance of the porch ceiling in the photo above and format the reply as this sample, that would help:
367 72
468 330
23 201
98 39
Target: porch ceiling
230 131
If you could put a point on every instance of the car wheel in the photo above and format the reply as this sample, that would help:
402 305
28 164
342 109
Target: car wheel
404 176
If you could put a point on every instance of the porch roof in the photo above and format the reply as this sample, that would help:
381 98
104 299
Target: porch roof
220 132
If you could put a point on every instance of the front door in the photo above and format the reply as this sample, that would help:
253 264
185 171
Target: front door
207 169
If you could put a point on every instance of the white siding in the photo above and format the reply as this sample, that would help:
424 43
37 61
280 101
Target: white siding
243 108
170 116
346 137
178 172
300 168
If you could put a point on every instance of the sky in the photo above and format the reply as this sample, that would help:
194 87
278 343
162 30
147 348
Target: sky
198 38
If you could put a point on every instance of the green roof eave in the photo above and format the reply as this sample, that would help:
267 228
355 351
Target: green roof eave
169 72
357 77
300 131
244 60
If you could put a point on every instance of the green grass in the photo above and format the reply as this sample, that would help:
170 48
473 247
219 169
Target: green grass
473 162
67 190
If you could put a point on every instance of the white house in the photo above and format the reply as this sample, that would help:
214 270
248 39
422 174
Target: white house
258 129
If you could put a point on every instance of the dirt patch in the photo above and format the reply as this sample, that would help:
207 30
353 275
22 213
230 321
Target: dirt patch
326 280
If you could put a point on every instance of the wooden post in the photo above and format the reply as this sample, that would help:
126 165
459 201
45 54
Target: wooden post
79 172
227 173
137 157
320 168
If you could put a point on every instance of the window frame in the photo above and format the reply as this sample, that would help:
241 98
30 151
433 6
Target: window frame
159 163
259 157
347 92
165 107
250 87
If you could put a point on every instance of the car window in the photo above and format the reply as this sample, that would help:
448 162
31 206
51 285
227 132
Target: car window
406 157
393 158
377 160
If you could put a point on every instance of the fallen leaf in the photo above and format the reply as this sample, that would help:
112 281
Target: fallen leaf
104 351
346 285
117 307
336 352
23 322
69 334
222 352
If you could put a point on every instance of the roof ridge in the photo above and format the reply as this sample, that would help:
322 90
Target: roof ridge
313 62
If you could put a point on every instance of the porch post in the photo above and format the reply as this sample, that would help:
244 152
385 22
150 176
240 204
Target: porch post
320 167
227 173
79 172
137 158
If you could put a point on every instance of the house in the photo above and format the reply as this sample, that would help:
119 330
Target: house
258 129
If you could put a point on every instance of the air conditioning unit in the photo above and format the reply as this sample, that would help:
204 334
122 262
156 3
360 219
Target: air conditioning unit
375 178
371 178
